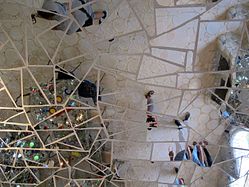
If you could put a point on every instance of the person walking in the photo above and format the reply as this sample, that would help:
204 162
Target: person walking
151 120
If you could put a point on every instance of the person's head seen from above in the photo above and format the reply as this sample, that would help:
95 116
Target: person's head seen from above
99 16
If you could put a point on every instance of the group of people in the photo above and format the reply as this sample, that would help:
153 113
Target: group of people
197 152
84 16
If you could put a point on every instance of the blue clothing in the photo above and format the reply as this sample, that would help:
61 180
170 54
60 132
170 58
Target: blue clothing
195 157
225 114
179 182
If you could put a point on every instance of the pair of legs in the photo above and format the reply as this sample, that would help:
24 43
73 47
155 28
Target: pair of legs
171 154
186 118
150 104
207 156
199 155
151 120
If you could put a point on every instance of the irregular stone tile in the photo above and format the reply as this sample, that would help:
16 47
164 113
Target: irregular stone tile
10 57
154 67
166 3
121 21
189 2
170 18
202 111
210 178
16 34
3 38
186 171
132 150
12 81
39 72
215 136
169 55
5 100
149 175
187 98
168 81
130 44
245 41
127 63
136 133
169 107
70 47
166 173
194 136
189 61
129 75
198 172
36 54
109 5
10 11
141 184
30 3
161 150
145 170
177 39
51 41
199 80
145 12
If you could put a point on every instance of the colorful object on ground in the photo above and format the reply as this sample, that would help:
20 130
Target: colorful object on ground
31 144
52 110
36 157
59 99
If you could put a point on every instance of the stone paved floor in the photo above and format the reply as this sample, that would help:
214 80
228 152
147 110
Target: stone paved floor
163 45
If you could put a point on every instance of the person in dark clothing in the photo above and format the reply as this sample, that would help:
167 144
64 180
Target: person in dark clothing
180 155
207 154
64 76
88 89
85 16
178 124
100 15
171 155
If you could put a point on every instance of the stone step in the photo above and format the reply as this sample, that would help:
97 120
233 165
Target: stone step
132 150
163 133
146 171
